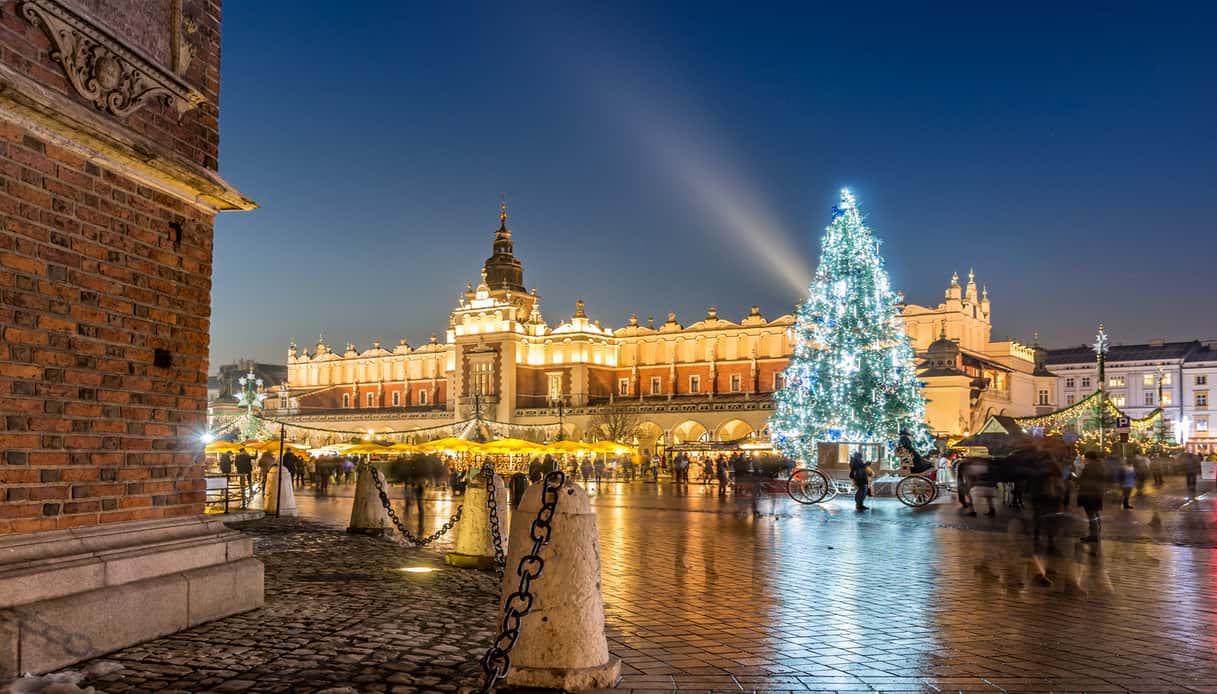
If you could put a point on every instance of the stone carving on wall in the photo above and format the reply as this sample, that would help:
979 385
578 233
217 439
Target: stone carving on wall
102 70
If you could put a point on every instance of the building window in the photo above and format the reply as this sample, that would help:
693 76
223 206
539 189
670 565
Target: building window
1117 400
1069 399
737 383
1085 381
1166 379
554 388
1069 382
396 398
422 397
1202 380
482 373
1202 398
656 385
1115 382
346 400
371 400
1166 398
623 386
1148 399
1147 379
1043 397
695 384
779 381
1202 424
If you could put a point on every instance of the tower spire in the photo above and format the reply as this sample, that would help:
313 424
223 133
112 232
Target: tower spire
503 211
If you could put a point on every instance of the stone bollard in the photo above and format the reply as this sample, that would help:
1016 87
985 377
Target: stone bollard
562 643
368 515
474 547
272 484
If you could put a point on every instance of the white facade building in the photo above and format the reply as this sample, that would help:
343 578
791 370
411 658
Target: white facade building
1175 376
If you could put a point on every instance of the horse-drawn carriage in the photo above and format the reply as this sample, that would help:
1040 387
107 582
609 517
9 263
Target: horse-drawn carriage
823 483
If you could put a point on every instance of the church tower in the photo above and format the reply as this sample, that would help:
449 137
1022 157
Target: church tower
502 270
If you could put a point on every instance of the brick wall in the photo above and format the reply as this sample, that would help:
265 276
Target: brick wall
92 283
98 273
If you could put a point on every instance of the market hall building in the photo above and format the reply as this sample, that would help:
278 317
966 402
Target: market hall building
712 380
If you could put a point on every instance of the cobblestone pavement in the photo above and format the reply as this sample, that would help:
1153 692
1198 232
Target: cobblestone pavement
701 595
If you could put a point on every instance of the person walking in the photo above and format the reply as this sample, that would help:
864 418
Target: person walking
245 468
226 464
1191 471
265 462
982 485
290 467
961 484
860 474
1141 465
1128 479
720 472
1092 482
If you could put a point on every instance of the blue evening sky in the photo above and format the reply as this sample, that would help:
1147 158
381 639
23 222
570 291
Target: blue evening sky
668 156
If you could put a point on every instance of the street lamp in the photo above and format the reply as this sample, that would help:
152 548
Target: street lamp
1101 345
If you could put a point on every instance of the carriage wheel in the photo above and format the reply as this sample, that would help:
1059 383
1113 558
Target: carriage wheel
808 486
916 490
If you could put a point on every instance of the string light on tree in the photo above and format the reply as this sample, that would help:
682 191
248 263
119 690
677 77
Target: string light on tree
852 374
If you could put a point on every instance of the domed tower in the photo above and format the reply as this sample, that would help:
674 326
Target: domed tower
502 270
943 354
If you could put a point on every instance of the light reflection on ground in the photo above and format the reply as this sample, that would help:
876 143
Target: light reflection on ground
701 592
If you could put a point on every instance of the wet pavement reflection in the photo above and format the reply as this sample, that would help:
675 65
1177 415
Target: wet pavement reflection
702 593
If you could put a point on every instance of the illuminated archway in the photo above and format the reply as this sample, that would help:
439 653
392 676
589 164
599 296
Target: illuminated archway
688 431
732 429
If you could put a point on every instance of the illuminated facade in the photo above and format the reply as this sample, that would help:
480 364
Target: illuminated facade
712 380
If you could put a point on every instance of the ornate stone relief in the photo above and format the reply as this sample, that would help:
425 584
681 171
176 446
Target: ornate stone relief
102 70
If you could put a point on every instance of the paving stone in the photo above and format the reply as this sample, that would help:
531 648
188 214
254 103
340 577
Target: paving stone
700 595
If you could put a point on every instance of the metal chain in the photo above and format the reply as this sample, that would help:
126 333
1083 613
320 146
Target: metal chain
497 660
492 503
409 536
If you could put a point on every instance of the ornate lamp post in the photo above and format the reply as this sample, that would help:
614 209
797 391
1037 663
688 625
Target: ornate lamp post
1101 345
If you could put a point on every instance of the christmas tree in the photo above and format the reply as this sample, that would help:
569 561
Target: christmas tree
852 375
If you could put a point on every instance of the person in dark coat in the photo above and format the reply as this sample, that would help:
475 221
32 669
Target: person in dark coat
292 464
919 463
226 463
1091 485
536 470
1191 471
519 485
245 468
861 477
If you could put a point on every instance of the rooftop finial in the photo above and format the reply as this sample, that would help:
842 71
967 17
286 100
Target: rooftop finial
971 275
954 279
942 333
503 210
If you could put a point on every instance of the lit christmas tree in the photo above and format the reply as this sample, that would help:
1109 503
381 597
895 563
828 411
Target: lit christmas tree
852 376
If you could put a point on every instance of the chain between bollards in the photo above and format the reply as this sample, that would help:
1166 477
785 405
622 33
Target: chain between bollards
492 503
497 660
409 536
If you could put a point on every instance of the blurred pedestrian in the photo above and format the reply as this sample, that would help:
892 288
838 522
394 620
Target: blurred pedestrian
265 462
1191 471
1092 482
720 472
860 474
1141 464
536 470
1128 479
245 467
982 485
226 463
519 485
961 484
